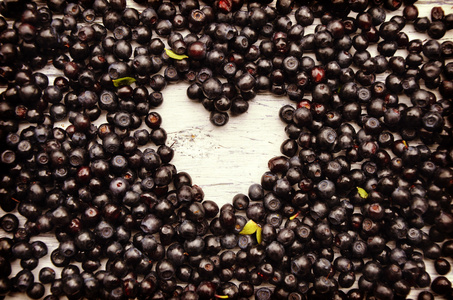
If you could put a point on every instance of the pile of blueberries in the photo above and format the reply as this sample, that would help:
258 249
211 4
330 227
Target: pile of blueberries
355 207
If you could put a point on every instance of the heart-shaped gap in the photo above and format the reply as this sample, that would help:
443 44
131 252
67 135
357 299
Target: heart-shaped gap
223 160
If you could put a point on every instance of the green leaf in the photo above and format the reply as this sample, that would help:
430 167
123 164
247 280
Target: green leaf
258 235
123 81
249 228
362 193
173 55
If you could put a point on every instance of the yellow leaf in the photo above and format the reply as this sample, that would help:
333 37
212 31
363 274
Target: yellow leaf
362 193
294 216
249 228
173 55
258 235
221 296
123 81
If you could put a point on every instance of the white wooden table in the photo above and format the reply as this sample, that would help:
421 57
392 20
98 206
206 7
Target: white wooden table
226 160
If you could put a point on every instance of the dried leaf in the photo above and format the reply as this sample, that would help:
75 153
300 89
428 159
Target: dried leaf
173 55
123 81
